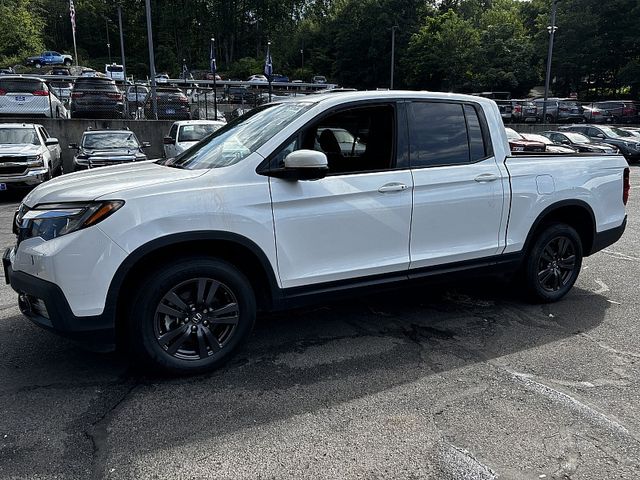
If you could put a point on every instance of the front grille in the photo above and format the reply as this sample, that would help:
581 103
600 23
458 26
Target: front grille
13 159
17 170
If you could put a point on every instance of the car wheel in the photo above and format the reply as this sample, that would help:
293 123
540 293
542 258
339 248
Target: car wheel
192 315
549 119
67 63
553 263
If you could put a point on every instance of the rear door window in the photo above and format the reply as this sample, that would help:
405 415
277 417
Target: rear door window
445 134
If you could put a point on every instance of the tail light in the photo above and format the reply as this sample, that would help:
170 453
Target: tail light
595 113
183 99
3 91
115 96
77 94
517 109
626 186
40 93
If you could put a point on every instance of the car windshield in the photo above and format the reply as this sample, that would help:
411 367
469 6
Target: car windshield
109 140
17 136
195 133
238 139
616 132
577 137
512 134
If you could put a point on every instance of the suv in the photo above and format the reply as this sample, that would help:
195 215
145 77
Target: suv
100 148
172 104
560 110
28 97
93 97
523 111
619 111
626 142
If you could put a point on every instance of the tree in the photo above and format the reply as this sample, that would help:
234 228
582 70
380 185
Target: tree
21 24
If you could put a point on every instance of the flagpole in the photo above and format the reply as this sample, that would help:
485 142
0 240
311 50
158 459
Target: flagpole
72 14
269 67
214 67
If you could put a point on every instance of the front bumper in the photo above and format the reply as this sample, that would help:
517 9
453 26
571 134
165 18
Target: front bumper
32 177
45 304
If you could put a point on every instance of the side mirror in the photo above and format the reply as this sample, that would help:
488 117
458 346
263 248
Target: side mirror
146 144
600 136
51 141
73 146
565 142
303 165
168 141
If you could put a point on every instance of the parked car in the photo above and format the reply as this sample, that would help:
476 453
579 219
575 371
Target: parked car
93 97
319 79
520 144
89 72
185 134
7 71
61 89
24 96
523 111
549 145
348 143
28 155
162 78
60 71
239 94
620 111
172 104
100 148
560 110
137 94
114 71
626 142
49 58
257 79
184 251
580 142
594 113
276 77
212 76
506 110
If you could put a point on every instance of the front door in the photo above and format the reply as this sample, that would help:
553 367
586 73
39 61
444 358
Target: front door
355 221
458 198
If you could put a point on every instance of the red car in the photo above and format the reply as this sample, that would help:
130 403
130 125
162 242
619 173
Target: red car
518 143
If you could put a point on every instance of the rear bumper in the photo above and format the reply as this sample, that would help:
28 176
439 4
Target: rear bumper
608 237
94 332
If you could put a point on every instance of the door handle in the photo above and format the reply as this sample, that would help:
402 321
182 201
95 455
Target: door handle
486 177
393 187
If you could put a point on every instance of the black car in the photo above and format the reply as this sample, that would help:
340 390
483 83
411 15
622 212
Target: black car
580 142
95 97
99 148
172 104
625 141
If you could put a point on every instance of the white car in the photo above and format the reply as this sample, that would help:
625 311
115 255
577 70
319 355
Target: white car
175 256
28 155
186 133
28 97
114 71
257 79
137 94
162 78
61 89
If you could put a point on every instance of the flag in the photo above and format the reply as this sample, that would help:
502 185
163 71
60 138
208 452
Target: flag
212 58
72 14
268 64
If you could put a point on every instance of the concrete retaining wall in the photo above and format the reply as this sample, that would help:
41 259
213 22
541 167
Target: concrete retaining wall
70 131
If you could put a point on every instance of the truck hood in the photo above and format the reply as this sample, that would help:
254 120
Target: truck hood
19 149
91 184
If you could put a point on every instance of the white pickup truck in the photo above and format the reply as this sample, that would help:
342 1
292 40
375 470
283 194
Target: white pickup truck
175 257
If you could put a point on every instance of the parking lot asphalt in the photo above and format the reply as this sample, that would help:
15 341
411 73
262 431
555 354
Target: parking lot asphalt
459 382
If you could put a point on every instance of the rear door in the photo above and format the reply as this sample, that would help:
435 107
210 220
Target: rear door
458 196
354 222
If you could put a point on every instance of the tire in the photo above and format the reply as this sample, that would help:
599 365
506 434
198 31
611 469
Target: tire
553 263
173 327
37 65
549 119
67 63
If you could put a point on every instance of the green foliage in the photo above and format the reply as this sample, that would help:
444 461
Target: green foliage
245 67
21 24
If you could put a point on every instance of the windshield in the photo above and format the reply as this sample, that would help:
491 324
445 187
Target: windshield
577 137
17 136
615 132
512 134
195 133
110 140
238 139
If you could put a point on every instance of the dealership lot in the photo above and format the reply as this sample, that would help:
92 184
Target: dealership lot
452 382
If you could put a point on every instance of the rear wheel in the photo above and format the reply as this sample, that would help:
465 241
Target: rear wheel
192 316
37 65
553 263
67 63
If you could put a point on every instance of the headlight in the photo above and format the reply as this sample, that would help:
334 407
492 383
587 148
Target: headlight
51 220
35 161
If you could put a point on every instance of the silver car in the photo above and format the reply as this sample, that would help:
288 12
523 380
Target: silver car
28 97
28 155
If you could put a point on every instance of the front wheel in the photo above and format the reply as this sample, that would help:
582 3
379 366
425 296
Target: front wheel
191 316
67 63
553 263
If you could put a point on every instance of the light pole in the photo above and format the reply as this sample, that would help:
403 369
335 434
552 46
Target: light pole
393 52
106 23
302 58
124 68
152 63
109 49
214 67
552 32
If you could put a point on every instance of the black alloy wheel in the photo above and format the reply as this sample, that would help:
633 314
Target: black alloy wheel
191 315
553 263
